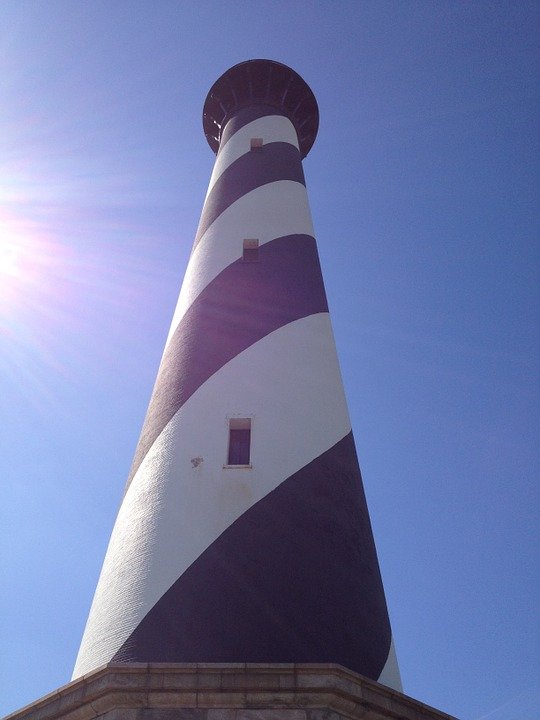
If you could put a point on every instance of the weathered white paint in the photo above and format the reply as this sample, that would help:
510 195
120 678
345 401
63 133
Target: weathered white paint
271 128
287 382
268 212
390 675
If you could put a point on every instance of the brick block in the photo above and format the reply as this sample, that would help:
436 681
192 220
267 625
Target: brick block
221 714
180 681
211 699
287 681
83 712
324 715
268 699
271 714
208 681
253 681
172 699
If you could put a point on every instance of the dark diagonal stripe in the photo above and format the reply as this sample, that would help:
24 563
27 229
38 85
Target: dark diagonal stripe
294 579
241 305
275 161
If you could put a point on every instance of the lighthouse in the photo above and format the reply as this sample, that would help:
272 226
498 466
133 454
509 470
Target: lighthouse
243 535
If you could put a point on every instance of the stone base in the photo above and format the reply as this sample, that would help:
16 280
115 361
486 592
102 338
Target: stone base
225 691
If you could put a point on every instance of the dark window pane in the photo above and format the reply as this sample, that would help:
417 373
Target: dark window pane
251 254
239 441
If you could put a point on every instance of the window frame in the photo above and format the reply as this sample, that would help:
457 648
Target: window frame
234 424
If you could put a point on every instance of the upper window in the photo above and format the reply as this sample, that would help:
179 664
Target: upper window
239 441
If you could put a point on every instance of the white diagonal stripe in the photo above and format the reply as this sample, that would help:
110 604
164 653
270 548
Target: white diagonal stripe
270 211
390 674
173 511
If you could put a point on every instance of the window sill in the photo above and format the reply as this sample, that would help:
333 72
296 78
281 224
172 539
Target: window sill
237 467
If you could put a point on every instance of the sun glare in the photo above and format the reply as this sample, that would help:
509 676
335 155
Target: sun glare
9 261
23 265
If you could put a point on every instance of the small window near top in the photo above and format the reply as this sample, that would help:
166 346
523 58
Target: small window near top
256 143
239 441
250 251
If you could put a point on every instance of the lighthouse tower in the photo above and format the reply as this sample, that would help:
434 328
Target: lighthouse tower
243 535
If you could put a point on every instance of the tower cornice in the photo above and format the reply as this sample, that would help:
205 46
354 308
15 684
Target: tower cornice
261 82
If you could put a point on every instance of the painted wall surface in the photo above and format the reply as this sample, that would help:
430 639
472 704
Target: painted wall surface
275 562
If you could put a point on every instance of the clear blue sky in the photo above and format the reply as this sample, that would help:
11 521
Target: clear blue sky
424 190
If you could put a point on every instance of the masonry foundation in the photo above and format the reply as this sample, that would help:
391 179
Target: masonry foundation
226 691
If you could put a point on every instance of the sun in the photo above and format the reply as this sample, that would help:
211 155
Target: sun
9 258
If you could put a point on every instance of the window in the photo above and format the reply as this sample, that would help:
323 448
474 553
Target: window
256 143
239 441
250 251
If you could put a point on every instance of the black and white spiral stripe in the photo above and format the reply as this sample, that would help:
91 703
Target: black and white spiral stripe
272 563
